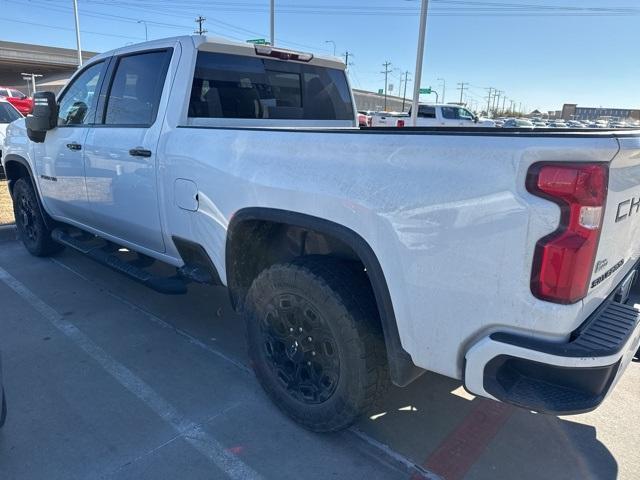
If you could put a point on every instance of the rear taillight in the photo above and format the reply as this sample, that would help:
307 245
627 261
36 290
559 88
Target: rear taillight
564 260
400 123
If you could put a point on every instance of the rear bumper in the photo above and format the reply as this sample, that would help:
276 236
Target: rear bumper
558 378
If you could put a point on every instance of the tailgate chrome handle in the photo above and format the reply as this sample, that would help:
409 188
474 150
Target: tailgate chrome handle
74 146
140 152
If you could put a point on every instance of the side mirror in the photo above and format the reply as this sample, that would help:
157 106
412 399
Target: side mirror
476 119
44 116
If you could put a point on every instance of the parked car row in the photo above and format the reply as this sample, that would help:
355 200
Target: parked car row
451 115
560 123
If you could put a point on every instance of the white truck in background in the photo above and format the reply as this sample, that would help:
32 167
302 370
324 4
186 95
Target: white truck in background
449 115
356 256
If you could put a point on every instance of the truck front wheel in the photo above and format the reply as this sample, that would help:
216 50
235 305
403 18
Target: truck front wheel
33 230
315 342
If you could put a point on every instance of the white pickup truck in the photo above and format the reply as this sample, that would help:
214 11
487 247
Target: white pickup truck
449 115
500 258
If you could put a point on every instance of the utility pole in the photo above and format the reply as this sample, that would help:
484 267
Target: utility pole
461 88
496 97
272 22
489 102
404 96
200 20
75 14
347 54
504 100
417 78
386 66
520 108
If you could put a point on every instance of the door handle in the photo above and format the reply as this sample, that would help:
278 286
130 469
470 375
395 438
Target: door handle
140 152
74 146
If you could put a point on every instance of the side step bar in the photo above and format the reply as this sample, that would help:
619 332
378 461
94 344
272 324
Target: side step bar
96 251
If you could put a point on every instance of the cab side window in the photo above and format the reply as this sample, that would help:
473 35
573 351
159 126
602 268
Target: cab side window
450 113
136 88
78 103
426 111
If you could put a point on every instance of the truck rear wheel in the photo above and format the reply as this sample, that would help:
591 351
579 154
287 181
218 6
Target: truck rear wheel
33 230
314 341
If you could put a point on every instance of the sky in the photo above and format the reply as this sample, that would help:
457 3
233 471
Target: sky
541 53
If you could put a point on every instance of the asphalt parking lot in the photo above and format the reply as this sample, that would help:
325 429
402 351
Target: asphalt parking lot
106 379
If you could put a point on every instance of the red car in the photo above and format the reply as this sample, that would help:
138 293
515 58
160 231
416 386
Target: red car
18 99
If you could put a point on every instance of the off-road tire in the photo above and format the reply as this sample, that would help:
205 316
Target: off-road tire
33 230
334 295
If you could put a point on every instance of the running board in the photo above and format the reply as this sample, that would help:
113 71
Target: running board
95 249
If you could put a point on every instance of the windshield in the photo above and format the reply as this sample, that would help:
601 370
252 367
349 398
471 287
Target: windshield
7 113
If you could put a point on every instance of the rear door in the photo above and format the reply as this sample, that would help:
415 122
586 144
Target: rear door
120 157
427 116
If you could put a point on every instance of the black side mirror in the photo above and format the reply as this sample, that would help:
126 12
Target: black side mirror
476 119
44 116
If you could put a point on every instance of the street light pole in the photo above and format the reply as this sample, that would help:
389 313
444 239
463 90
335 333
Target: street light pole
417 78
334 46
444 86
75 13
272 22
146 31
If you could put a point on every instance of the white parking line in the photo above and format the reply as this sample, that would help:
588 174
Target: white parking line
157 320
190 431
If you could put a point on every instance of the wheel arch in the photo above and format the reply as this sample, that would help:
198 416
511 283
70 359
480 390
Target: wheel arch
17 167
260 237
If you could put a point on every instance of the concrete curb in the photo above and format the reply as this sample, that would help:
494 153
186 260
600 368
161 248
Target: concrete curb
8 232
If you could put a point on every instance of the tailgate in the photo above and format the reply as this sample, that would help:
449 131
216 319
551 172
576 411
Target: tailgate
619 245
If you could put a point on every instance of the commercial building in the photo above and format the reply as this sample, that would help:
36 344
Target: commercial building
571 111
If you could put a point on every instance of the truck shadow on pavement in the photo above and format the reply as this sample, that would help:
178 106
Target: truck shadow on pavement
438 425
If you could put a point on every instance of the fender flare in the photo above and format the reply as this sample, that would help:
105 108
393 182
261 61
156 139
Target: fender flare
401 367
22 161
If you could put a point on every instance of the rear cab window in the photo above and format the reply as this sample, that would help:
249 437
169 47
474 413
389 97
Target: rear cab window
230 86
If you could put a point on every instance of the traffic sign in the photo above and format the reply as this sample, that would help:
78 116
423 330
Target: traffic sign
425 91
380 91
258 41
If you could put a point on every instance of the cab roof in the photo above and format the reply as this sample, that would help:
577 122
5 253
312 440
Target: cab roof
223 45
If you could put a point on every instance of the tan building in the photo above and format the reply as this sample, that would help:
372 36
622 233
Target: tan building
571 111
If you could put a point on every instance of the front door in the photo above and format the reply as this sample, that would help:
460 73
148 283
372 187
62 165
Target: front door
120 157
59 159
